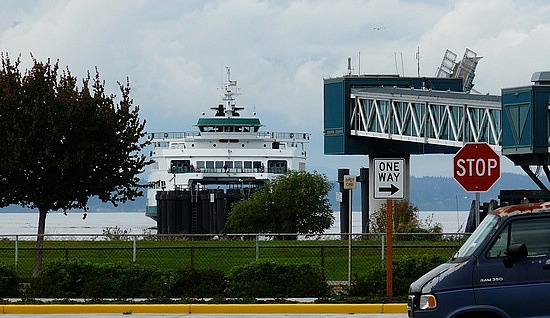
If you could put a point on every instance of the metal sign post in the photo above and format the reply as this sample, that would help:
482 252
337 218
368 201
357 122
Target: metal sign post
389 184
478 216
350 183
389 247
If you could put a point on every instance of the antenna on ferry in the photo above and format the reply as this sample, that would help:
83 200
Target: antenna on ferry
359 63
229 109
418 61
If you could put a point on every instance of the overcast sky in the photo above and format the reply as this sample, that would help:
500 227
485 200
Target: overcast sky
174 53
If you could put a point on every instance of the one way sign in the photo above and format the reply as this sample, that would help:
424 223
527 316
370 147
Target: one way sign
388 178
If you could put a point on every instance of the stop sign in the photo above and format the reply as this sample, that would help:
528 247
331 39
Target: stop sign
476 167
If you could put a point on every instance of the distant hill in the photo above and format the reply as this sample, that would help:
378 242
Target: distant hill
439 193
427 193
445 194
95 205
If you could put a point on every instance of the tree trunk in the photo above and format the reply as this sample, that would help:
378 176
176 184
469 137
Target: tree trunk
39 242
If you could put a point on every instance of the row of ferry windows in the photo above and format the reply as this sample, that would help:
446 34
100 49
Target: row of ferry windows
229 164
229 128
183 166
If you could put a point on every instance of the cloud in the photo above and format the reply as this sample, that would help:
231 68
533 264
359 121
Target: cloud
510 35
175 52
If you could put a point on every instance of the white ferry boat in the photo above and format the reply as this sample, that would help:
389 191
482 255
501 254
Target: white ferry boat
228 151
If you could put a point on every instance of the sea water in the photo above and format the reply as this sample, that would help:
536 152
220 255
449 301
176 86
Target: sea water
450 221
76 223
138 223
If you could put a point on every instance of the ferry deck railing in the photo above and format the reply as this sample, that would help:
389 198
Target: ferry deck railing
282 136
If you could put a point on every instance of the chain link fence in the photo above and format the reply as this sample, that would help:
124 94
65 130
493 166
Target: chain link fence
224 252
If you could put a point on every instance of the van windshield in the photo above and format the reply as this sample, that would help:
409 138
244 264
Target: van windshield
477 237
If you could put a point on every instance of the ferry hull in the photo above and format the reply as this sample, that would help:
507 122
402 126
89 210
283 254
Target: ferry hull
195 212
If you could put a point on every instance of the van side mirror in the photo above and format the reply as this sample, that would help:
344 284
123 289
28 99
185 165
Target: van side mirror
515 252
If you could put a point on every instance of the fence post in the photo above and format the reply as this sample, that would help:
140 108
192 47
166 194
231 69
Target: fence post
16 251
257 247
134 253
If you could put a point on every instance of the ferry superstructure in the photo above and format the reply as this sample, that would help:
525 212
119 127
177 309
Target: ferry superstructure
226 151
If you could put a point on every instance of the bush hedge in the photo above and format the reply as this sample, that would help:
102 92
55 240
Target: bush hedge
193 283
405 271
8 281
81 279
259 279
269 279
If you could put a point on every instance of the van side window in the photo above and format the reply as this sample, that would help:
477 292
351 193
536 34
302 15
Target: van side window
534 233
501 244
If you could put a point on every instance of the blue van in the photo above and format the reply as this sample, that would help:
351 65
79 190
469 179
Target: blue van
502 270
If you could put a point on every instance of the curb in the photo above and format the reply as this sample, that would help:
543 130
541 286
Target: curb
206 309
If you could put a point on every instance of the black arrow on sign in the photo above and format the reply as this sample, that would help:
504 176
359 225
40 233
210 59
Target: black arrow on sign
391 189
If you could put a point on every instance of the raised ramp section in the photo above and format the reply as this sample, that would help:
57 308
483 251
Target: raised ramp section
425 116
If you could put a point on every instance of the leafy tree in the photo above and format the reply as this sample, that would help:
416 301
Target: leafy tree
295 202
62 144
405 219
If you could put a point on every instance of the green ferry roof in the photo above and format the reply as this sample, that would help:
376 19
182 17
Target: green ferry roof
228 121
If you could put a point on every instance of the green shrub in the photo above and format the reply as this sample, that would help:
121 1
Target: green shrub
8 281
408 269
196 283
80 279
125 281
405 271
62 279
77 279
269 279
370 284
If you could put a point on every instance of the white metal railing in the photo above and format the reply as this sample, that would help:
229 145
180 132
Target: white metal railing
282 136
